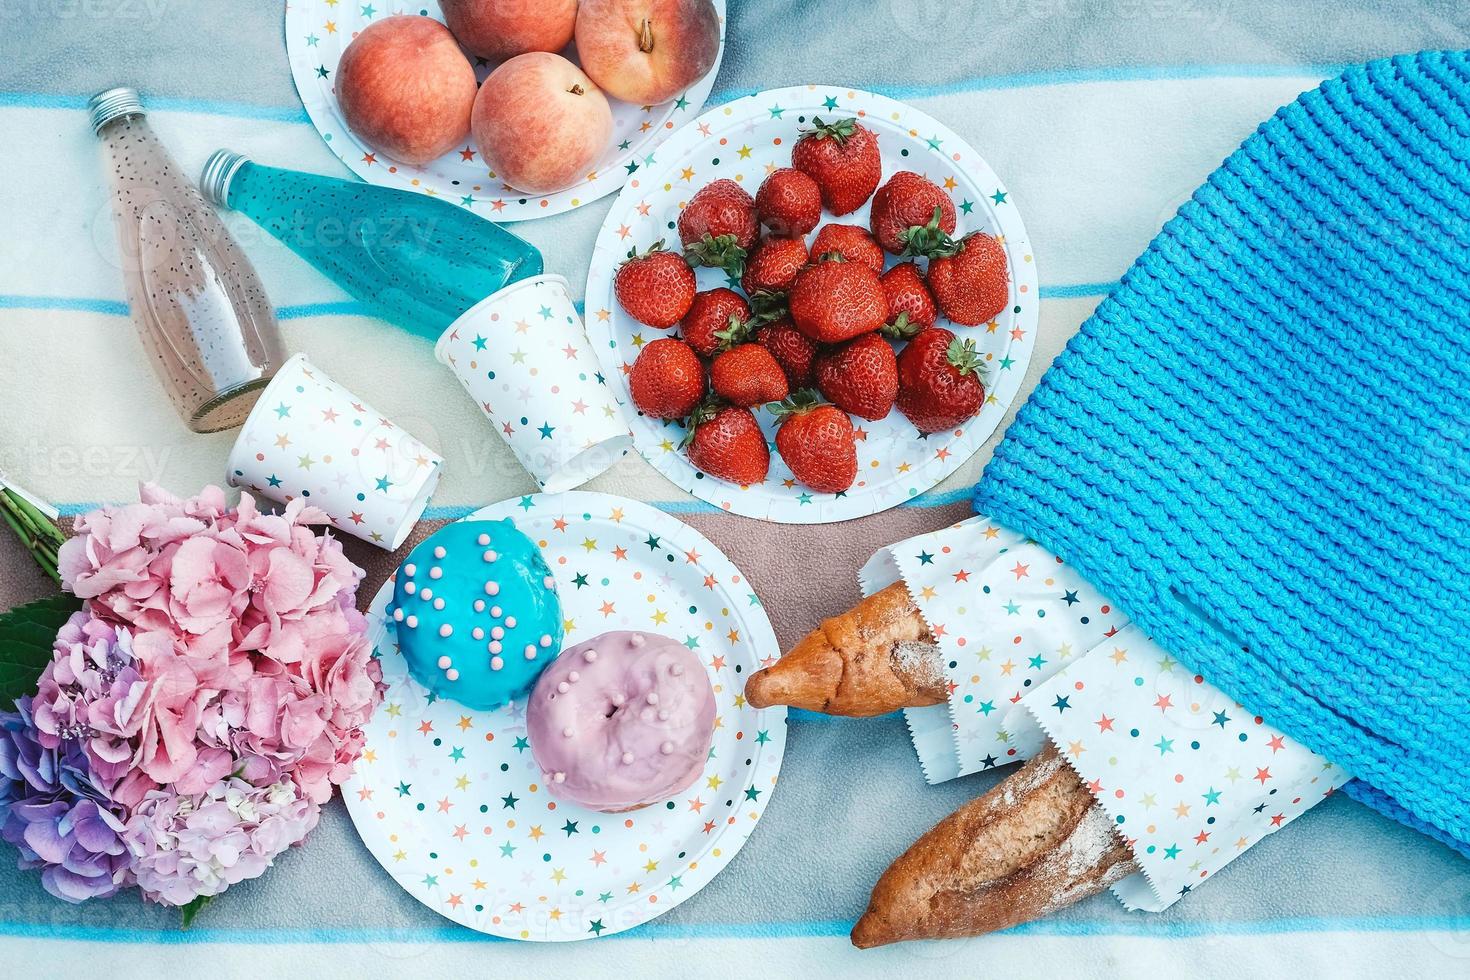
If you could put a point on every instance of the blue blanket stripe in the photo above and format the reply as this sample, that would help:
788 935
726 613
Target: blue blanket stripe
1151 927
1127 73
302 311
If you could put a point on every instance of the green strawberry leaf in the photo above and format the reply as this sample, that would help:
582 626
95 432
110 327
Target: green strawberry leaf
26 635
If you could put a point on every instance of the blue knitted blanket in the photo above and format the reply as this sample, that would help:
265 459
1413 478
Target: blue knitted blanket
1259 444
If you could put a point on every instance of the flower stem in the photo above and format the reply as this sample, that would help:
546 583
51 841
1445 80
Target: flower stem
41 536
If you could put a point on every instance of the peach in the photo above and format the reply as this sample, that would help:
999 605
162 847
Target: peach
540 122
500 29
647 51
406 88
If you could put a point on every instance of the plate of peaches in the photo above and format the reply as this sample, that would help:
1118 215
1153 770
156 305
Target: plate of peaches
511 109
820 301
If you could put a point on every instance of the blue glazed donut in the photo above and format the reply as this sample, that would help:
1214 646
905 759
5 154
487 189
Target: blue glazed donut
476 613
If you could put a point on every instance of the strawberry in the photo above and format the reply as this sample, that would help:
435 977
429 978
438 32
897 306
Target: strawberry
969 278
718 226
773 266
909 302
851 242
817 443
727 442
667 380
789 203
714 311
748 375
860 377
939 383
655 287
791 348
835 300
908 201
842 157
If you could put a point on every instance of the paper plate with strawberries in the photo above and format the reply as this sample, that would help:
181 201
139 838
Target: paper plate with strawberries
512 110
820 300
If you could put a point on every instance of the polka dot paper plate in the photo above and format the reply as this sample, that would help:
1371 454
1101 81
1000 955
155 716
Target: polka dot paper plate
745 141
318 31
452 805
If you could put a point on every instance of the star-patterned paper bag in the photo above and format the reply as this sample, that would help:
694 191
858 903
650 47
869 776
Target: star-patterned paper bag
1189 778
523 355
1006 614
310 437
1032 653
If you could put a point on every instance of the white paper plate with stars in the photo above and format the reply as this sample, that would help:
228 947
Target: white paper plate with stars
744 141
452 805
318 31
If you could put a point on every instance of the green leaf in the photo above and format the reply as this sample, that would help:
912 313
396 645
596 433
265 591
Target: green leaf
26 635
188 912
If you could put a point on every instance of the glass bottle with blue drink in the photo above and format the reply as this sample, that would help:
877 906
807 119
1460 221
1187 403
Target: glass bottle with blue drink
415 260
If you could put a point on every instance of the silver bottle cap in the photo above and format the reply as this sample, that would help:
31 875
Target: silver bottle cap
214 179
113 103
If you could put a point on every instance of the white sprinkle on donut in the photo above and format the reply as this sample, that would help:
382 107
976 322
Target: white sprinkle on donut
496 663
574 677
483 540
439 552
490 556
445 663
653 697
495 611
447 630
439 602
677 670
667 748
549 582
530 651
563 687
492 588
477 633
426 594
495 646
590 656
410 570
398 615
412 622
567 732
436 572
627 758
559 777
497 632
451 674
545 640
510 622
636 639
410 588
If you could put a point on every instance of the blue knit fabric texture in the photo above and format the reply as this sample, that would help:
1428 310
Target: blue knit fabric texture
1259 444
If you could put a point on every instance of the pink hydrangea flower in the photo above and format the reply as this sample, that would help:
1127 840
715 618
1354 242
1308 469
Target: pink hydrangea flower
187 846
244 628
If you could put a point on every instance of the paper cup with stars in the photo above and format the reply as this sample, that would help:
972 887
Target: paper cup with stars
451 803
309 437
522 354
744 141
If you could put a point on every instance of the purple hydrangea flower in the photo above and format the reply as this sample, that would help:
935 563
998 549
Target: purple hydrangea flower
56 815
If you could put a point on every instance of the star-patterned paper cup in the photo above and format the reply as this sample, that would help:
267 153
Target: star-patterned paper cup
524 357
309 437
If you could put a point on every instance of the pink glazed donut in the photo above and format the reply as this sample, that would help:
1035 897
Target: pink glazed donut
621 721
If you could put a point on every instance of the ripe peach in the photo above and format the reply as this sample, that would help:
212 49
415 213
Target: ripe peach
500 29
406 88
647 51
540 122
